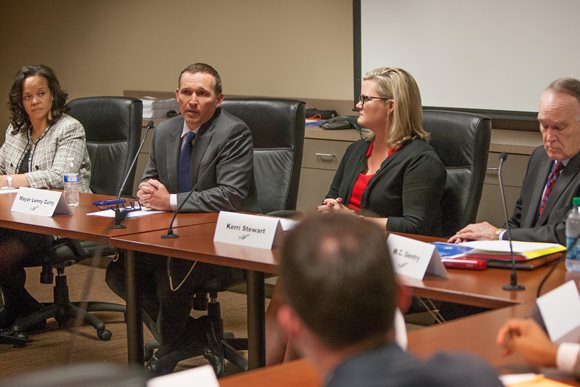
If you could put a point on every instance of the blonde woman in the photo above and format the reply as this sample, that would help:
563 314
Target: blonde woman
393 178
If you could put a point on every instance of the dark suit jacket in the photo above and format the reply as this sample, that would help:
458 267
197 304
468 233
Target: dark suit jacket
229 183
407 188
391 366
551 226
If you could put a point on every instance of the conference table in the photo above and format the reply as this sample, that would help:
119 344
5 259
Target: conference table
195 242
483 288
477 288
474 335
96 228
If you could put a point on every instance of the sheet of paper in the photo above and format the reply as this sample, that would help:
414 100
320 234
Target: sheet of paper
529 380
560 310
6 190
132 214
199 376
503 246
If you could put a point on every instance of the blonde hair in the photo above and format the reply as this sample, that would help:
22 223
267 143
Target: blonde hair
398 84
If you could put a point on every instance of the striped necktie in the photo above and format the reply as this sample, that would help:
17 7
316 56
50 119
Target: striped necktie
184 162
550 184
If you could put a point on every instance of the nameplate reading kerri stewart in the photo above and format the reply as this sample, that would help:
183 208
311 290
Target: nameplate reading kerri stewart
39 202
414 258
247 230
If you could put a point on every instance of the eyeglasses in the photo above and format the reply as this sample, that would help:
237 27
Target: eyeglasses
366 98
127 206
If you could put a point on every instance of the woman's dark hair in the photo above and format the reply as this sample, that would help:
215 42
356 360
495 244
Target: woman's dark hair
18 116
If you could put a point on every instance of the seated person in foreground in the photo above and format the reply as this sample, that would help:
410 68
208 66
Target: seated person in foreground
339 301
394 178
553 176
526 337
202 140
40 142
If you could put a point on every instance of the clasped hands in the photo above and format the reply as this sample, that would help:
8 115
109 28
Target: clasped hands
334 205
526 337
153 194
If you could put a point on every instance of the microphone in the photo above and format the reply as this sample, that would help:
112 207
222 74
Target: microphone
513 285
119 216
170 234
150 125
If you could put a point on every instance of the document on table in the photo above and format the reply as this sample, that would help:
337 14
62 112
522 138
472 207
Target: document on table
6 190
131 214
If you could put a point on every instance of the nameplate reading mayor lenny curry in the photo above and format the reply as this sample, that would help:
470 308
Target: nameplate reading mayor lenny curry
247 230
414 258
39 202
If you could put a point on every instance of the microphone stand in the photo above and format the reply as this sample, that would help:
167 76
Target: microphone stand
170 234
119 217
513 285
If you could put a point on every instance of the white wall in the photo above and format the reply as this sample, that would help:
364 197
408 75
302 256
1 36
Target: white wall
299 48
493 54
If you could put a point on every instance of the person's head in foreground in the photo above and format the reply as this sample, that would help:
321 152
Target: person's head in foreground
339 284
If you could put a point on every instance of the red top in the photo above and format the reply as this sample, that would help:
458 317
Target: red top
362 183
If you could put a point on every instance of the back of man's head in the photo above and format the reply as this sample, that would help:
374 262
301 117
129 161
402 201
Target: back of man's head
338 277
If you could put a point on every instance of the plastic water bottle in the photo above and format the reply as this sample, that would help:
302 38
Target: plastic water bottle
573 237
71 183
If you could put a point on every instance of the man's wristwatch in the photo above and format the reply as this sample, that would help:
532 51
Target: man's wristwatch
498 232
9 181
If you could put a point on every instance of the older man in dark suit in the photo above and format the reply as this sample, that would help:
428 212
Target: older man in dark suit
340 295
210 150
553 175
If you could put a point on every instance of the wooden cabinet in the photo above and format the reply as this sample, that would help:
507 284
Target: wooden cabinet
323 150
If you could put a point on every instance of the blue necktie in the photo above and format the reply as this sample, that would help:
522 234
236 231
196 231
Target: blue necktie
184 163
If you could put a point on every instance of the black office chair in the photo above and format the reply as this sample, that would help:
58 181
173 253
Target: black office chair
462 142
277 127
113 131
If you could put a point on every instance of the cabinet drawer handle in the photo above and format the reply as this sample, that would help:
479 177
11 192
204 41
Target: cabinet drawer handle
325 156
492 170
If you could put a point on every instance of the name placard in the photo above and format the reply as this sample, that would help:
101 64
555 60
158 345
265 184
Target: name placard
247 230
414 258
39 202
560 309
203 376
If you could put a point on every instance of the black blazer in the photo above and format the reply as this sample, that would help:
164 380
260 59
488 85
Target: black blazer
407 188
551 226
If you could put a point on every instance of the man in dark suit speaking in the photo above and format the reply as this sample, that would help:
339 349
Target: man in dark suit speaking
339 299
553 176
210 150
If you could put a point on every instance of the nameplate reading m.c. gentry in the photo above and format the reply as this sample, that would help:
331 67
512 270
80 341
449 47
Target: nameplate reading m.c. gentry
39 202
414 258
247 230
